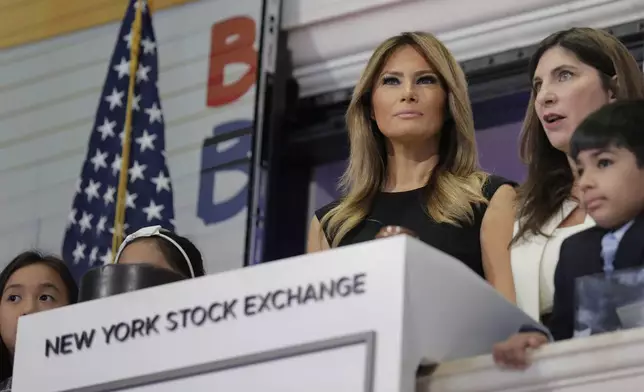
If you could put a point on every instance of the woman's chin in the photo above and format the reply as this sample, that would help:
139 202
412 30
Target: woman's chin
561 144
410 135
559 139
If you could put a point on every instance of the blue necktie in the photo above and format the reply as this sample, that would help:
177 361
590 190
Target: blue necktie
609 248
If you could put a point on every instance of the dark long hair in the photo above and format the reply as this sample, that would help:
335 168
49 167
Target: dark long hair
550 179
26 259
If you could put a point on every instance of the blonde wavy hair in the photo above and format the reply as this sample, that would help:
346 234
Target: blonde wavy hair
456 182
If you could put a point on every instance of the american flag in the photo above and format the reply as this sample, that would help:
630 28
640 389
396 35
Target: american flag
90 226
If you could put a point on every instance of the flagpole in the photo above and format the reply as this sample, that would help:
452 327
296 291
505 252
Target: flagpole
119 216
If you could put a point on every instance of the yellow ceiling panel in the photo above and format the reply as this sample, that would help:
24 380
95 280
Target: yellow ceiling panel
25 21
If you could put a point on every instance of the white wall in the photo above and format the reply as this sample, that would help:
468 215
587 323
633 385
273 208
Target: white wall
332 39
49 93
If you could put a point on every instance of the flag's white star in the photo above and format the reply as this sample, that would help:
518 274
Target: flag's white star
107 129
172 222
99 160
128 38
79 182
107 257
108 197
148 45
123 68
71 218
85 222
155 113
135 102
93 255
142 73
116 164
92 190
146 141
161 181
153 211
136 171
130 199
100 226
115 99
79 252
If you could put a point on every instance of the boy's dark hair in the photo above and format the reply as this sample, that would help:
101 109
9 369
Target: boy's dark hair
618 124
23 260
174 257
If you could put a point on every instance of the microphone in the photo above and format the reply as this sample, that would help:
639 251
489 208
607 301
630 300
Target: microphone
113 279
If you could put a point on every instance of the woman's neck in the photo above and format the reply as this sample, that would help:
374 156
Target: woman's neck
409 168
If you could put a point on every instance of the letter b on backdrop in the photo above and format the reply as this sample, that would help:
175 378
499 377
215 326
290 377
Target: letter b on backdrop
232 42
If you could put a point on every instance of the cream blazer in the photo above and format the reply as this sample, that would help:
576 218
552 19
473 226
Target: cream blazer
526 257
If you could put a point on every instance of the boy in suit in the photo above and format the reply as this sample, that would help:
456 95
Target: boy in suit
608 150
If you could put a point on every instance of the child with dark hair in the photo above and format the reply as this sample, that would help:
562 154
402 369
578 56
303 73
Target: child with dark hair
32 282
162 248
608 149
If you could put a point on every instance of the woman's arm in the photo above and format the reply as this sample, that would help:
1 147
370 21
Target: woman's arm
317 240
496 235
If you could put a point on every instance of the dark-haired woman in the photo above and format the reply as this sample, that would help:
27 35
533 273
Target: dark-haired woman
162 248
31 283
573 72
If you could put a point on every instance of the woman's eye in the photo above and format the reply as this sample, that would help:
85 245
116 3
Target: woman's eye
564 75
390 80
536 86
428 79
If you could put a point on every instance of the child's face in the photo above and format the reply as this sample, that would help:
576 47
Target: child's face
30 289
612 185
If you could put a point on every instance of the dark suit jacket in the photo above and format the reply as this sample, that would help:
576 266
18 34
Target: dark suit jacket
581 256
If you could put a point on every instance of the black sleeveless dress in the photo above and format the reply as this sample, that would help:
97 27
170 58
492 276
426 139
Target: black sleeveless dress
406 209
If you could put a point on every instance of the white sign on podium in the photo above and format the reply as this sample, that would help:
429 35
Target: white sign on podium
357 318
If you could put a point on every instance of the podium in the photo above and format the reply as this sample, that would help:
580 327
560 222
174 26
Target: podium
599 363
357 318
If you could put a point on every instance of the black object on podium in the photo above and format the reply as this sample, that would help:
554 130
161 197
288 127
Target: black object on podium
115 279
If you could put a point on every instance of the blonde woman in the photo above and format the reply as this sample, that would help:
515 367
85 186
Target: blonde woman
413 163
574 72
